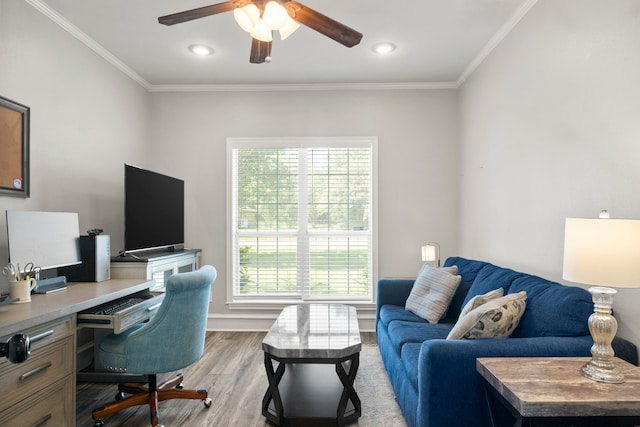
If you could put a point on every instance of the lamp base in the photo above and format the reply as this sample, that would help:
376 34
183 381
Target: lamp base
603 327
605 374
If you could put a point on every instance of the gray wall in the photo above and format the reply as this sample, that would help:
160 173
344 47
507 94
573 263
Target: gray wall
549 129
417 165
87 119
545 128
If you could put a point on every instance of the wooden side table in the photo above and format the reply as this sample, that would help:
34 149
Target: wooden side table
551 391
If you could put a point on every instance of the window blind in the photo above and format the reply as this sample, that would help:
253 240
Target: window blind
302 217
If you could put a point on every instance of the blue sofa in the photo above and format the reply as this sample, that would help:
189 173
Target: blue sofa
435 380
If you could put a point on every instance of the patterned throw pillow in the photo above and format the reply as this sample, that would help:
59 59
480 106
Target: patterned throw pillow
478 300
432 292
494 319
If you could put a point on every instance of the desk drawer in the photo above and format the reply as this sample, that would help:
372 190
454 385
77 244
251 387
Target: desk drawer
45 366
52 407
128 317
43 335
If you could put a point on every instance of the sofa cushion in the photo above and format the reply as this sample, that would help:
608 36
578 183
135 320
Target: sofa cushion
453 312
402 332
495 319
467 268
552 309
432 292
410 356
491 277
479 300
389 313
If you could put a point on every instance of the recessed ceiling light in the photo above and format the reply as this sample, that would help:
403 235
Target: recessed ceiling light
383 48
200 50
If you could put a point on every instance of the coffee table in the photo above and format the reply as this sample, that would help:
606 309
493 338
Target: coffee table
303 351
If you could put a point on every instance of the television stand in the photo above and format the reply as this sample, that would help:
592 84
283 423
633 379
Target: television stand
156 265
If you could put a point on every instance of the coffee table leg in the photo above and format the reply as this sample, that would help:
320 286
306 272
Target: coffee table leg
349 392
277 415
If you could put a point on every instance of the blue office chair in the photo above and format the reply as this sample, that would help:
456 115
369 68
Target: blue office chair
172 339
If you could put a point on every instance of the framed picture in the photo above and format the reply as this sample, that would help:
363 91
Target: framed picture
14 149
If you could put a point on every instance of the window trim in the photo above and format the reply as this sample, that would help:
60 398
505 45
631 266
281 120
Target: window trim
299 142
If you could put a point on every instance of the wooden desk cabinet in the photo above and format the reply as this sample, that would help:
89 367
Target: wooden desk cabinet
40 391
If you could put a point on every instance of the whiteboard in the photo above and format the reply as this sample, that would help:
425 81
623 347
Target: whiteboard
47 239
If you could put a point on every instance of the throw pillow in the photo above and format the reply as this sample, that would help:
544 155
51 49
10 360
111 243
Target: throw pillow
432 292
452 269
478 300
494 319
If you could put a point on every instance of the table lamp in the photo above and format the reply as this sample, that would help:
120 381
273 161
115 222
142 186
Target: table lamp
431 252
602 252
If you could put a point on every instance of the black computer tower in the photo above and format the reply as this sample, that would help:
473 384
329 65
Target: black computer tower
96 260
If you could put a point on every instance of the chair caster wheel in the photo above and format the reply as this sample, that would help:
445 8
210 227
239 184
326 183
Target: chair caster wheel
119 396
207 402
98 423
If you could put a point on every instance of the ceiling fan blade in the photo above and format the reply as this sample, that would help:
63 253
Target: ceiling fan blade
323 24
201 12
260 51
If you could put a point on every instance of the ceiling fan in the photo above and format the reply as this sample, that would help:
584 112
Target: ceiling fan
261 17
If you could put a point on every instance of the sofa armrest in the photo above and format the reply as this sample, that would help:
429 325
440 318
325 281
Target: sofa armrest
392 291
451 392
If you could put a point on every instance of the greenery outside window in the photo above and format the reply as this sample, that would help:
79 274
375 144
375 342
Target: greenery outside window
301 218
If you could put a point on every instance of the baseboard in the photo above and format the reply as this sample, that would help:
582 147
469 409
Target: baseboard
262 322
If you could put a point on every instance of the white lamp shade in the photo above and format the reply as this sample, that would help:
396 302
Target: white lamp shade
289 27
602 252
261 32
247 16
428 253
274 16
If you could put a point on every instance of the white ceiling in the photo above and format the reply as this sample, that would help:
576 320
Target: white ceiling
438 41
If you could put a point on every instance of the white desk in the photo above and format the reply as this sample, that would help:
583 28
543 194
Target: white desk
42 390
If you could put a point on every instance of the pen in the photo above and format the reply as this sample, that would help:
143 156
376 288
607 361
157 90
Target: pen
18 272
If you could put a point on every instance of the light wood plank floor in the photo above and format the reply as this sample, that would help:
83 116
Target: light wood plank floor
232 371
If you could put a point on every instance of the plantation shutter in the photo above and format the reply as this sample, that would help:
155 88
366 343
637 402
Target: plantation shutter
338 222
302 219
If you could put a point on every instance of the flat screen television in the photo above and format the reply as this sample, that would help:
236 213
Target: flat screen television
153 210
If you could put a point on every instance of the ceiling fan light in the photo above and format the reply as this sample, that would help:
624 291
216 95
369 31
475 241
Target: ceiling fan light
274 16
261 32
290 26
247 16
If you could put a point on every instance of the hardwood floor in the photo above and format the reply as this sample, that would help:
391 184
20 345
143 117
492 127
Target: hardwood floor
232 371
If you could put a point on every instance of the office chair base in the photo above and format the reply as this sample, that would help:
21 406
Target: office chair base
151 395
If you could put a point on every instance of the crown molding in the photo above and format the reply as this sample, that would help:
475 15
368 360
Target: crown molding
301 87
497 38
43 8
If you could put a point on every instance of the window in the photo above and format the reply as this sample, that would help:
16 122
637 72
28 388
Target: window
301 218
